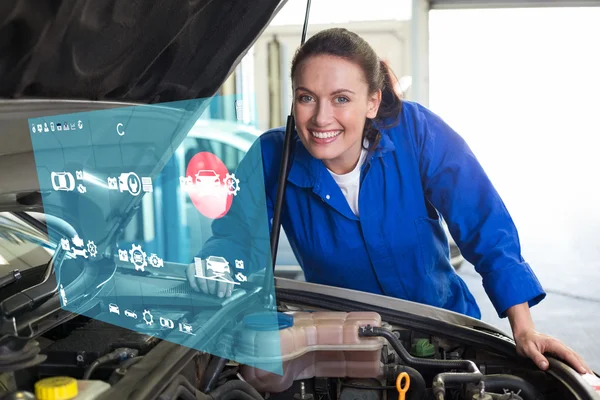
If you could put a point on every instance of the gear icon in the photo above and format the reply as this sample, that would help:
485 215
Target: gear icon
155 261
148 319
232 184
138 258
92 249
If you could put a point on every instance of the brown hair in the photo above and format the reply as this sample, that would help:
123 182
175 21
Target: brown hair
340 42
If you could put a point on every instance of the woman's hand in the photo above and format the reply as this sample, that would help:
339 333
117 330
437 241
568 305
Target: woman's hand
533 344
530 343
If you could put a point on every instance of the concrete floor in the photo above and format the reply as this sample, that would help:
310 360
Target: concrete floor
570 316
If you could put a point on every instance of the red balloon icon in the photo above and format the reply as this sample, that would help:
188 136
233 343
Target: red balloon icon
205 184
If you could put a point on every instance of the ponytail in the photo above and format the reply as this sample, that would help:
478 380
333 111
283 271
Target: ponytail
389 109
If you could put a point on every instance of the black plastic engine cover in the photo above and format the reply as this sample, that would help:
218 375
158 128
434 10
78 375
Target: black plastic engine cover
71 355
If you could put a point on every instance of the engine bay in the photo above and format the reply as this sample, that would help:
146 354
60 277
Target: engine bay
326 355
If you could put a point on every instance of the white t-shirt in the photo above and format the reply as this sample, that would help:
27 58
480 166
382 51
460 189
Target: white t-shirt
350 182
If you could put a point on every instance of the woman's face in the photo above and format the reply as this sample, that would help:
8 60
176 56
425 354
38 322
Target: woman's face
331 103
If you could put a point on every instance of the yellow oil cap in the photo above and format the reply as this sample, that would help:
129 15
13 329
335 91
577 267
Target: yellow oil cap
56 388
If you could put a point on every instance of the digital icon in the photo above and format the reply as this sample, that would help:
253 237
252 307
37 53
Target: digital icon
79 252
123 255
113 308
112 183
79 174
148 318
155 261
58 126
186 181
66 126
239 110
186 328
62 181
64 243
80 124
77 241
166 323
147 184
33 128
40 128
46 127
219 267
52 126
81 189
138 258
72 126
120 130
129 181
92 249
241 277
199 269
130 314
63 295
239 264
232 184
207 181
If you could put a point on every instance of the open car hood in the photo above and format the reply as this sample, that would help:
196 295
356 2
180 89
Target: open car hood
119 50
73 56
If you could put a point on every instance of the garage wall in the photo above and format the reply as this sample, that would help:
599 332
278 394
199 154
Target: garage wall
471 4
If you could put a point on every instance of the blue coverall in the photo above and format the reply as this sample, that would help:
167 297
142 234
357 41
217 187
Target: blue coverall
397 247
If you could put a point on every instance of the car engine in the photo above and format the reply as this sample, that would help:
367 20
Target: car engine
326 355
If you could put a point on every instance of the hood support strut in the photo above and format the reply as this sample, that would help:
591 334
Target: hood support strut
284 167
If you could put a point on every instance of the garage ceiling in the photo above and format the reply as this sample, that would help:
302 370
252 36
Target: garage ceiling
451 4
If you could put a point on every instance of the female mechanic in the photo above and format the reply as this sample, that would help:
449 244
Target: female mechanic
369 174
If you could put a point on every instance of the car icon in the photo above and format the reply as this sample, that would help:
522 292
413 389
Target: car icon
217 264
62 181
113 308
130 314
207 180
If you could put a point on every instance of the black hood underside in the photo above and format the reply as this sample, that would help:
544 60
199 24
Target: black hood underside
141 51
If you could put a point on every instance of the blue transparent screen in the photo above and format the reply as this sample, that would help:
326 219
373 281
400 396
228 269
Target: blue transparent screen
133 187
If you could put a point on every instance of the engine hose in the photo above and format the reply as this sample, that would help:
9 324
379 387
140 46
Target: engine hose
440 381
120 372
182 393
122 353
371 331
222 391
417 390
211 375
237 395
496 383
178 386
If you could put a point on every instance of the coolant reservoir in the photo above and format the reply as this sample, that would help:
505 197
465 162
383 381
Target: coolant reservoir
67 388
320 344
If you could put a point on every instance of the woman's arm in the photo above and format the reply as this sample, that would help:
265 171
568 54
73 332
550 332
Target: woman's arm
455 183
533 344
457 186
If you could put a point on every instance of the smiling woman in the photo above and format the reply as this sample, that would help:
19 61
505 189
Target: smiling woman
338 94
371 182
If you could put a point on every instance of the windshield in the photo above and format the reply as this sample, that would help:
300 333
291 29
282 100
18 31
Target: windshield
155 196
22 246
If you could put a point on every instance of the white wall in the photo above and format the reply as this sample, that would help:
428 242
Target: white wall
521 86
